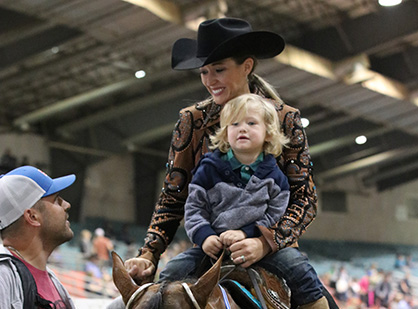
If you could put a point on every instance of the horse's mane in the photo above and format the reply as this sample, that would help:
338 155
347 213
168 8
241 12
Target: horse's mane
156 301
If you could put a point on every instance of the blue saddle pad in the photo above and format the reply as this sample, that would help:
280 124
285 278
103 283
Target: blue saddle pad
240 294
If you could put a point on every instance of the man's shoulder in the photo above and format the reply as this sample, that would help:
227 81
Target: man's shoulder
9 274
5 266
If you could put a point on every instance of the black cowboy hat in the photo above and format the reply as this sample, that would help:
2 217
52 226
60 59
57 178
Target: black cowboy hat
221 38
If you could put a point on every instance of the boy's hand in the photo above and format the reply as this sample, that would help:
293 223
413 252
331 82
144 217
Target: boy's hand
212 245
232 236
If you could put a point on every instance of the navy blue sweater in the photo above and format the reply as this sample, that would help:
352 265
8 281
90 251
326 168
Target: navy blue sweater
219 200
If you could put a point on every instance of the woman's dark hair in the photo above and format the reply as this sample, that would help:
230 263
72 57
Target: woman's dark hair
256 83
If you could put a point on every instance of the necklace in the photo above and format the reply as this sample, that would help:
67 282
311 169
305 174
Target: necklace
16 251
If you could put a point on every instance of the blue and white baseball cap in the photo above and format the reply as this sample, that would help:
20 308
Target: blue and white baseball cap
22 187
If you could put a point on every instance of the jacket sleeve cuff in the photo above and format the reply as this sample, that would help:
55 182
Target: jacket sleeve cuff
251 230
269 237
203 233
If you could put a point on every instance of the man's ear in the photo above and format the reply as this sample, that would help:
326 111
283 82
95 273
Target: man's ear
32 217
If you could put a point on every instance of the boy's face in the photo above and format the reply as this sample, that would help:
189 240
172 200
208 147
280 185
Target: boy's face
247 136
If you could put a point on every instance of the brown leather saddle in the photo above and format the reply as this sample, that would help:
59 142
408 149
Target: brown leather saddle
255 287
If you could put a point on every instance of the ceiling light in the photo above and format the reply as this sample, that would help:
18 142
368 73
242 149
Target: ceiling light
305 122
389 2
140 74
360 140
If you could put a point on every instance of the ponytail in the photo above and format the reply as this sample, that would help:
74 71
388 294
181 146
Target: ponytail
260 86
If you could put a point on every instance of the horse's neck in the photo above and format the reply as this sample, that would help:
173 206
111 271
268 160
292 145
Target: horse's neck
216 300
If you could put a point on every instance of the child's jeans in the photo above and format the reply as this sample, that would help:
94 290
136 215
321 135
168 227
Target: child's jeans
288 263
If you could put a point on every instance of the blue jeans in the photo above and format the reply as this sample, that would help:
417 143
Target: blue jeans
288 263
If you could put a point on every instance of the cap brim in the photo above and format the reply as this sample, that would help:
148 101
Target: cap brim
59 184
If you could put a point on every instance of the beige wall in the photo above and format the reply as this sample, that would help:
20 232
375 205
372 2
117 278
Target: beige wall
371 217
108 190
30 145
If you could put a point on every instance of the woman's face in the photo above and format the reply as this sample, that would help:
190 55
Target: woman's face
225 79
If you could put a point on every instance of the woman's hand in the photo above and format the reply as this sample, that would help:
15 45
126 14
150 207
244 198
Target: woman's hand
249 251
212 245
231 236
140 269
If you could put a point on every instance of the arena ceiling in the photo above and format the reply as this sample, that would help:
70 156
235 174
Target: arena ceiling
67 72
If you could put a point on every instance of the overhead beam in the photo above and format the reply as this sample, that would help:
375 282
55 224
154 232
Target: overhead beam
79 149
166 10
368 162
336 143
67 104
132 106
390 23
190 16
37 42
389 173
150 135
352 70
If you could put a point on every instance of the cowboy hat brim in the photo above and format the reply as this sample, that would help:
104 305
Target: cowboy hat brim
260 44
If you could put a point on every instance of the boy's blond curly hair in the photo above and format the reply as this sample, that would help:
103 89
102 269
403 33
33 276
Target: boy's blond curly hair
236 109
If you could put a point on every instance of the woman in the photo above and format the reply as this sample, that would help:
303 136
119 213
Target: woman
226 53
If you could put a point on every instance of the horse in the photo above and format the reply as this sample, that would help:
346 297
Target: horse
206 292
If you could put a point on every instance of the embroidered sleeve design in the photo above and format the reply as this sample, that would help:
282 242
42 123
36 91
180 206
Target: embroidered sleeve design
297 165
189 142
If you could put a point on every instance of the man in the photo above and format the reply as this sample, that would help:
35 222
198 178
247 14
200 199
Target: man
33 222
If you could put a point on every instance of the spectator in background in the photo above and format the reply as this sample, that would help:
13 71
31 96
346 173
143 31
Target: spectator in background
102 246
383 291
404 286
86 245
364 284
409 261
399 261
399 302
94 273
342 285
92 268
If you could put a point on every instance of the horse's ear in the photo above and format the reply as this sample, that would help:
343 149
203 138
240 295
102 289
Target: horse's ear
204 286
122 279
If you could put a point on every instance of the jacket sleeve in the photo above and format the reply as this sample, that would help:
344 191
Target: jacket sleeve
188 144
296 163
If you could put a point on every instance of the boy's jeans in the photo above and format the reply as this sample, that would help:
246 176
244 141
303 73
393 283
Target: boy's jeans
288 263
